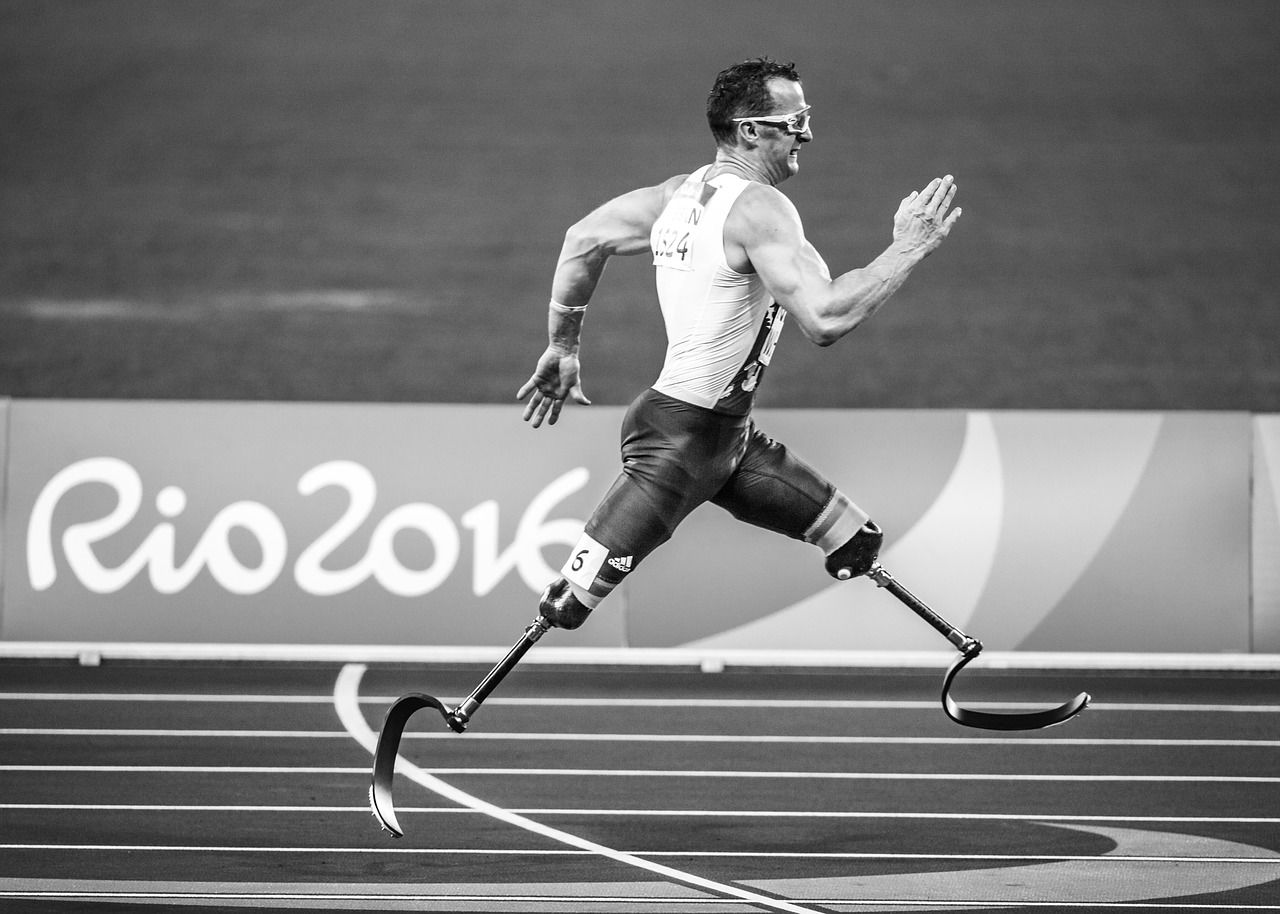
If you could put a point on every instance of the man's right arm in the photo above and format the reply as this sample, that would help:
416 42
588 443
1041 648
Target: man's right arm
619 227
793 271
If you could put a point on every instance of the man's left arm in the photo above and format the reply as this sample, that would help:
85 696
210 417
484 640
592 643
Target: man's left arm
827 308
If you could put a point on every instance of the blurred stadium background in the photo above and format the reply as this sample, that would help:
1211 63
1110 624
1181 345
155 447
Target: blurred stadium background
330 200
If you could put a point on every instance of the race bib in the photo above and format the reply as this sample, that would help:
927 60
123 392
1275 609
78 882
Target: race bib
673 247
584 562
673 236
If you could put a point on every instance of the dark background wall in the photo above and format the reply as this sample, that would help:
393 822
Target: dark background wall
364 200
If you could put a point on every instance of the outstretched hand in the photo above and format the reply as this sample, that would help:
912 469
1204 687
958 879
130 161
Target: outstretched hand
922 220
555 379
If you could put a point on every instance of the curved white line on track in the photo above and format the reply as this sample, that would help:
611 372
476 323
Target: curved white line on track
346 702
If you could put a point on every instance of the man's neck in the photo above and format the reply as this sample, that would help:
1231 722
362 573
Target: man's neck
732 161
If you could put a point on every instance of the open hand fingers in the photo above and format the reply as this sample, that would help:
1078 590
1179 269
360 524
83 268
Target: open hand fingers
555 404
543 407
539 407
924 217
532 406
950 195
550 386
938 195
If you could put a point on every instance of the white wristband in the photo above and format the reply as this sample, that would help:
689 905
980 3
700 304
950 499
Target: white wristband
565 309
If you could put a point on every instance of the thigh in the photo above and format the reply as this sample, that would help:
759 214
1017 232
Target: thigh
775 490
675 457
635 518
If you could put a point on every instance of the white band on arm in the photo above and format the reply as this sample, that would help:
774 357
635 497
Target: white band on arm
565 309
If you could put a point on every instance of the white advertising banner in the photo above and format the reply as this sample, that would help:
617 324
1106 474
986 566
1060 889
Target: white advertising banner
440 525
4 480
1266 534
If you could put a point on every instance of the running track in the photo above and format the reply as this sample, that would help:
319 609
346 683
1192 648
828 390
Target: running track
232 786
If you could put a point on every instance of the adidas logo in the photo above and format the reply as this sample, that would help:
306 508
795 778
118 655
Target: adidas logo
622 563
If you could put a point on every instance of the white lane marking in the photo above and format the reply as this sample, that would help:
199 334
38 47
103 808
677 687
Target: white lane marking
700 854
841 704
188 697
588 812
284 900
169 733
414 900
347 687
816 704
725 774
192 769
850 775
474 736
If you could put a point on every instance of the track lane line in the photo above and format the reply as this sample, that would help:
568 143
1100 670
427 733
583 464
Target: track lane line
589 812
724 774
815 704
699 854
475 736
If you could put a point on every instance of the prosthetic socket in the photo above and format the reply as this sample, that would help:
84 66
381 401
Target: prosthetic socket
857 556
561 608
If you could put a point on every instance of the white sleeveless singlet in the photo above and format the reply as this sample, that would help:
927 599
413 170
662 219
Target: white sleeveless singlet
721 325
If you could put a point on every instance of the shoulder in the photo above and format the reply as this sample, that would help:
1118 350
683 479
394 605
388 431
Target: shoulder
643 204
759 199
668 188
653 199
762 211
622 225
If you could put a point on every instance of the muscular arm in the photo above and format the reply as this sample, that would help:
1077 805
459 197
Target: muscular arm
767 227
619 227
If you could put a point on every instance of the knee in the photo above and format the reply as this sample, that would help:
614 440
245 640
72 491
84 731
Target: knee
561 608
857 556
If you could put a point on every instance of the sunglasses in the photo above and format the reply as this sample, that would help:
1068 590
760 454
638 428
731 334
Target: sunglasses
795 123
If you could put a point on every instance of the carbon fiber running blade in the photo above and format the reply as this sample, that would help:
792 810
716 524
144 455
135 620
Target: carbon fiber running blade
384 756
1032 720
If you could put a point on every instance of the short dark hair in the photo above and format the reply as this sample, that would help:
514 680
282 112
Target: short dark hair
742 90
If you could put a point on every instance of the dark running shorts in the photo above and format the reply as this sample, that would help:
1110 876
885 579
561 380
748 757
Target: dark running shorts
676 456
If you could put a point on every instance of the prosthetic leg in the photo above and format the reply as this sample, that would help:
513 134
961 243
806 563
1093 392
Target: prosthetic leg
559 608
384 756
860 556
970 648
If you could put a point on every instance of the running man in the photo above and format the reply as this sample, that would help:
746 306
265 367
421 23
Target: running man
731 262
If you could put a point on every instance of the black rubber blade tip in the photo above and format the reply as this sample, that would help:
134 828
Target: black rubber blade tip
384 811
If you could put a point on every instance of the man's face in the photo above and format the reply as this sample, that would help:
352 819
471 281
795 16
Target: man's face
780 148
